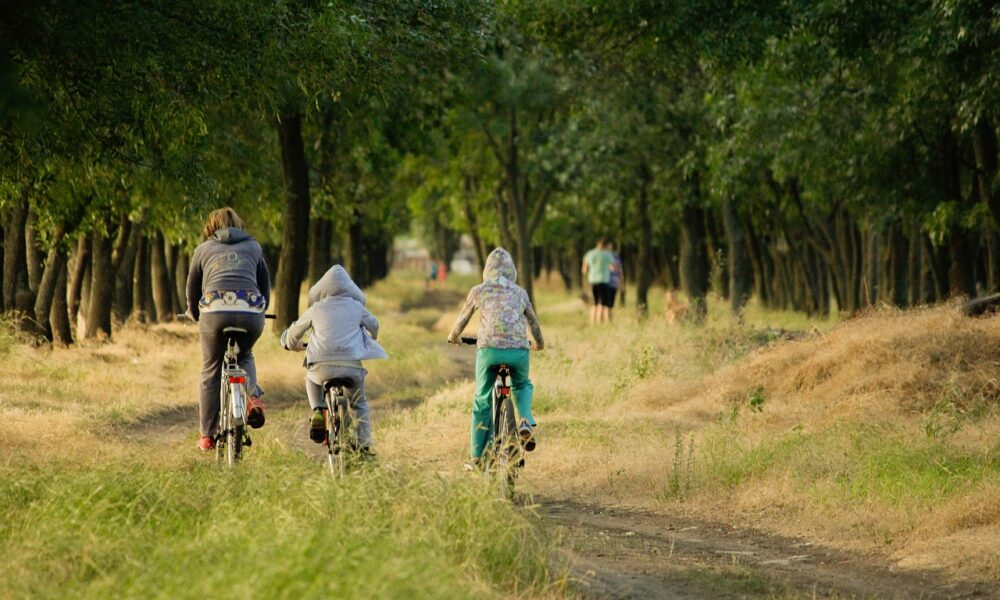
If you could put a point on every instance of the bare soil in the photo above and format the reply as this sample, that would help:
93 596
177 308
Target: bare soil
618 553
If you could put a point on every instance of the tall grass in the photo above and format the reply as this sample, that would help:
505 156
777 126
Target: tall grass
278 527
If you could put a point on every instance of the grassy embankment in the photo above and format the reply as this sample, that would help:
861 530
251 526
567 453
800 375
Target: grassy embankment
102 492
876 434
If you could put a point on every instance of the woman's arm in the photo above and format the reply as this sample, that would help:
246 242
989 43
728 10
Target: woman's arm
536 328
194 285
263 279
463 317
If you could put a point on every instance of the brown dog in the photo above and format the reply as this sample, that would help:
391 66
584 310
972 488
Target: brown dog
675 309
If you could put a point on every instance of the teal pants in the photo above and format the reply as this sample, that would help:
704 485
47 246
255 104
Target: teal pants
488 361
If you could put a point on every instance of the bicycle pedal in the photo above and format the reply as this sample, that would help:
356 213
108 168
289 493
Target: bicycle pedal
520 464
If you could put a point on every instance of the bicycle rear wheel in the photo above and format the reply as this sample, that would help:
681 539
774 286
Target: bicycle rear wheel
234 434
506 448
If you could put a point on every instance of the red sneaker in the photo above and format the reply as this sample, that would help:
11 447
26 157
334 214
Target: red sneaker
206 443
255 413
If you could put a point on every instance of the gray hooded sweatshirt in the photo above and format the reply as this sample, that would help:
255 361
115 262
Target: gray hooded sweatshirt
506 310
339 320
230 260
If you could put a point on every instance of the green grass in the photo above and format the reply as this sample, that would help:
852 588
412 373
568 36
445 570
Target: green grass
849 466
277 527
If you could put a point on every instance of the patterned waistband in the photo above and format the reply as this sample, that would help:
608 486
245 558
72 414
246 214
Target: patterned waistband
232 300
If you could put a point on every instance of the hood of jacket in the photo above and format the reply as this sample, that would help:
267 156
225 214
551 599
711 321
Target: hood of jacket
231 235
500 264
335 282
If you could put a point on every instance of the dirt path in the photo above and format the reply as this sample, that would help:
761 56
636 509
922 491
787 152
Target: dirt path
615 553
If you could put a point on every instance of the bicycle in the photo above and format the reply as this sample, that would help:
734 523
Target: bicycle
232 436
504 457
339 431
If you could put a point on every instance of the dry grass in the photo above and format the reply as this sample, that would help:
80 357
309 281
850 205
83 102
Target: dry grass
875 434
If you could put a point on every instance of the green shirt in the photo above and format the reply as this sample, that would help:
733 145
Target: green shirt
598 265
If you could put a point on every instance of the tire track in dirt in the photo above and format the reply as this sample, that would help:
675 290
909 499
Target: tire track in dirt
616 553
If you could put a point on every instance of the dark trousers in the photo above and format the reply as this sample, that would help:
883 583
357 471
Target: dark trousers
213 351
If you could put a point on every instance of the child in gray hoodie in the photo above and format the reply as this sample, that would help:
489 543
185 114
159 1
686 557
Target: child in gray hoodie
341 334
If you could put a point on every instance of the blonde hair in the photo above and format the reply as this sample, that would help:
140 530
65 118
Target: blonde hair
223 217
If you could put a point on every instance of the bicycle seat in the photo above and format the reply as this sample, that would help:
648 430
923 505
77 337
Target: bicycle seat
234 330
338 382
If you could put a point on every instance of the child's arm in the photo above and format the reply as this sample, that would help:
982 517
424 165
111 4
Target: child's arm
536 329
291 338
463 317
369 322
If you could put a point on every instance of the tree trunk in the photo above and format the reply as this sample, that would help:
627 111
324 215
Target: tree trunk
984 145
34 260
181 265
644 270
15 275
140 281
62 332
694 259
899 251
873 269
356 266
102 287
473 219
294 258
55 265
163 294
916 266
740 280
124 270
961 277
81 262
320 238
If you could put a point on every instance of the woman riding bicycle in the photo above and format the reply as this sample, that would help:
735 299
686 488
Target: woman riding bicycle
228 286
506 314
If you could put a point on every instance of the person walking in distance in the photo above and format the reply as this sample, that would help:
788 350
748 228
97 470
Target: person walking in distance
228 285
598 264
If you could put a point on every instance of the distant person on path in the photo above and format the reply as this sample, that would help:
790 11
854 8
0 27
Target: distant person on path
598 264
342 333
506 315
616 281
432 272
228 285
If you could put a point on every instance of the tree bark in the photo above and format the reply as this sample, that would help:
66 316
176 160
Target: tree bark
320 238
294 252
163 294
916 266
984 145
81 262
644 259
899 254
55 265
740 279
182 263
15 275
62 332
694 258
356 264
124 270
140 281
35 263
102 287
